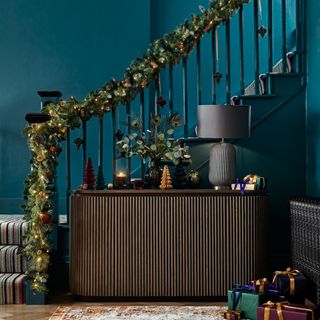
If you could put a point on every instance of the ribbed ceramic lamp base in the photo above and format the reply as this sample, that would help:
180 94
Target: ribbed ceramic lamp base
222 165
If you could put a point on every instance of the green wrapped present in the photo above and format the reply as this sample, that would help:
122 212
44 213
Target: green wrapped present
246 302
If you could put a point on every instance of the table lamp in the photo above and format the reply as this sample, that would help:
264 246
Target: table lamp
223 122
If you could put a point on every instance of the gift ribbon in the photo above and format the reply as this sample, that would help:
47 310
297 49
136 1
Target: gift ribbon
228 314
236 297
280 305
269 305
291 274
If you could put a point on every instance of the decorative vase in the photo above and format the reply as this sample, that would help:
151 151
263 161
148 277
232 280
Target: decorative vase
153 175
180 177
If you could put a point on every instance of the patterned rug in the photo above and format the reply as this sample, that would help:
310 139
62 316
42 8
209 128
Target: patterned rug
139 312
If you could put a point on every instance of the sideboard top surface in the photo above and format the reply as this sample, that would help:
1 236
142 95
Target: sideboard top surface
173 192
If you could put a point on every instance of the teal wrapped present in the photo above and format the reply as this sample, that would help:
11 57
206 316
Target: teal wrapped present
246 302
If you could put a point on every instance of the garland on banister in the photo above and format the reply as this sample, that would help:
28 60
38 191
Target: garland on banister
44 139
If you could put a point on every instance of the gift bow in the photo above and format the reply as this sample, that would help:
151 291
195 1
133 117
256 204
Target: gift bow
260 285
269 305
228 314
237 297
291 274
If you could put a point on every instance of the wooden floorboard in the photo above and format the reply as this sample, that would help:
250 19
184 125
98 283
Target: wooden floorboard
43 312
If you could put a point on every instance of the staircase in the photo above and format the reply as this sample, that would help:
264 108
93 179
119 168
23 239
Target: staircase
12 263
271 81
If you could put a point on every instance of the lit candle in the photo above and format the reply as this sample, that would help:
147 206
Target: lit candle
121 178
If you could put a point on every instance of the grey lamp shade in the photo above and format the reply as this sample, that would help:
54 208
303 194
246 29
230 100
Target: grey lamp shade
224 121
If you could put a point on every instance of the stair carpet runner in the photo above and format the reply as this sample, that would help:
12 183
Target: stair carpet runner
12 263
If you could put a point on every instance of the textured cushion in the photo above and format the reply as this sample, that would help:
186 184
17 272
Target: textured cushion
12 230
11 260
12 288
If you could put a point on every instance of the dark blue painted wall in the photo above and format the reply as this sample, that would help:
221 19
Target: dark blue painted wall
73 46
313 98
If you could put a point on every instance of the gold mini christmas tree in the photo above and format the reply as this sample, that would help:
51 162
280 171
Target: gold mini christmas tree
166 182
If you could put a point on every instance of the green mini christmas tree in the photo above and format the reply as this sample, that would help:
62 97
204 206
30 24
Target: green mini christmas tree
100 183
88 178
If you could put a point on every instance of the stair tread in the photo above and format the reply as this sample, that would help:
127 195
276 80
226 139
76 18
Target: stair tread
258 96
287 74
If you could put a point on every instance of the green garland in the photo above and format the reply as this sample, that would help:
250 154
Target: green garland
44 139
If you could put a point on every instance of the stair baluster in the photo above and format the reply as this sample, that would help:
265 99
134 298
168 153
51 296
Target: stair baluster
270 37
142 120
114 160
284 35
170 89
199 97
256 47
84 144
68 172
241 52
185 98
128 111
228 64
214 64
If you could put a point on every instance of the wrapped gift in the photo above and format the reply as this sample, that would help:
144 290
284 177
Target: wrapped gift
292 284
260 285
244 300
284 311
232 315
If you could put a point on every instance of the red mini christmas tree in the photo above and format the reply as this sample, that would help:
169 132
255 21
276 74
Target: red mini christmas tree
88 178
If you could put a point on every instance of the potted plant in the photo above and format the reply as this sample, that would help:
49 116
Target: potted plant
155 145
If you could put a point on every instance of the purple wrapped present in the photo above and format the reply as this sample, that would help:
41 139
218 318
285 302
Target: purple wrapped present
284 310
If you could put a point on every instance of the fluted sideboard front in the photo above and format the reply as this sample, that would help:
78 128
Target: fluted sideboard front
188 243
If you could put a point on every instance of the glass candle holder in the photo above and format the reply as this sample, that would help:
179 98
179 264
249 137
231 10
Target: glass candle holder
121 179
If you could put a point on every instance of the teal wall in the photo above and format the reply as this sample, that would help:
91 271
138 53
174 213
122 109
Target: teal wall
73 46
313 98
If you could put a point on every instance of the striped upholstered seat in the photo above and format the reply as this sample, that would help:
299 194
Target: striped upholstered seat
12 260
12 287
12 229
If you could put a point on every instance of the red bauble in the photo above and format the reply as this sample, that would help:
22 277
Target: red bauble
45 218
161 102
53 149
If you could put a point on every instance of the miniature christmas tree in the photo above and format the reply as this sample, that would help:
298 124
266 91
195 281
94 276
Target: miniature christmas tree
88 178
166 179
100 183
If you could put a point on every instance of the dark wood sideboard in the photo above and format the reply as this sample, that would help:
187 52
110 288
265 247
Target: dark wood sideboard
177 243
